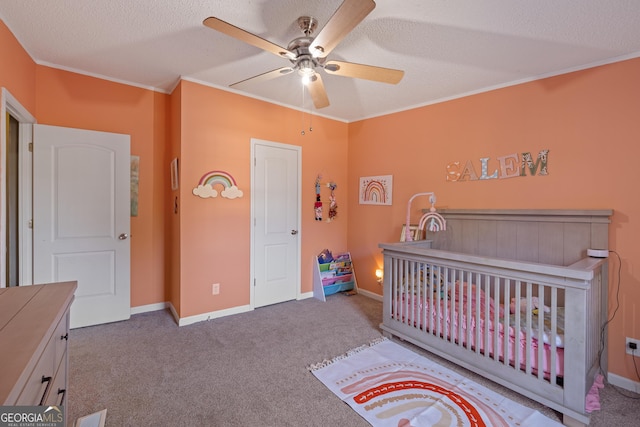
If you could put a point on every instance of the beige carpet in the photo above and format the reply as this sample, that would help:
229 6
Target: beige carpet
244 370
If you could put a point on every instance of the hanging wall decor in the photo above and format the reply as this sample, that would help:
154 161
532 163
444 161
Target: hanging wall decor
206 186
376 190
135 177
333 206
317 205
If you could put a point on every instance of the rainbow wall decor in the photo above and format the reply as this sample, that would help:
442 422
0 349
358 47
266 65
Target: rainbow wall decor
376 190
206 186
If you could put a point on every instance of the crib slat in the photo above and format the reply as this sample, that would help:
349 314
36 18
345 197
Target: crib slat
467 310
449 285
540 335
428 293
427 298
496 318
460 290
517 327
436 280
553 336
395 294
528 351
487 316
505 336
476 309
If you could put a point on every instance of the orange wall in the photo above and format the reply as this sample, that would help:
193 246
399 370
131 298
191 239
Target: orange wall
17 69
217 127
78 101
589 120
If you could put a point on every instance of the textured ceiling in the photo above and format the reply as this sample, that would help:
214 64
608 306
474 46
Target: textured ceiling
447 48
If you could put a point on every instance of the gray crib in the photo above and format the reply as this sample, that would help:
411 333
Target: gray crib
510 295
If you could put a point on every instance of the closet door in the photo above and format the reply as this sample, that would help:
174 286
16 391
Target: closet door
276 231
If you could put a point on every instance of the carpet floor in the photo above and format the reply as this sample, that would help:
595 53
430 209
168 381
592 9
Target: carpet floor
245 369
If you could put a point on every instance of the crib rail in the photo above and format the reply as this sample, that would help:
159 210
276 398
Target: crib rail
516 323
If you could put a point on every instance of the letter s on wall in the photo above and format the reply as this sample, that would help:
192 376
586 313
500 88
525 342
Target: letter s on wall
453 171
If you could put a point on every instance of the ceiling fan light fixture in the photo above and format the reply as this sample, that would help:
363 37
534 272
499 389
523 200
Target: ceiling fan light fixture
307 79
307 74
305 70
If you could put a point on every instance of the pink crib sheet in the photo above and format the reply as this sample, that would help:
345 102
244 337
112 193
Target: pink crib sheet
421 311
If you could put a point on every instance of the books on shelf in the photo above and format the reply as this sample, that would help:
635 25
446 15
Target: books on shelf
333 274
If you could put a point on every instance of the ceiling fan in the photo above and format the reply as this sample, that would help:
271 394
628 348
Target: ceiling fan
308 53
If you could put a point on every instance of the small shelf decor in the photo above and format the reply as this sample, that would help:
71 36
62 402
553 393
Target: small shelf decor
333 274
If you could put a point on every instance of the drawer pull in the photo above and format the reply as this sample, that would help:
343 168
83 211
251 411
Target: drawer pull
65 336
46 390
63 392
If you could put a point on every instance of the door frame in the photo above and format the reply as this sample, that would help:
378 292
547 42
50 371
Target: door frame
9 104
298 150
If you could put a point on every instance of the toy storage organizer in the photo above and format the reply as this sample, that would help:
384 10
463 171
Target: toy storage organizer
333 277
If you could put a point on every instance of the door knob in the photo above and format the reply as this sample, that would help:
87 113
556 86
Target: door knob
123 236
294 232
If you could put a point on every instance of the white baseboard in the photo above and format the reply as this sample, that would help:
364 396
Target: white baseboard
305 296
211 315
221 313
370 294
191 319
623 382
148 308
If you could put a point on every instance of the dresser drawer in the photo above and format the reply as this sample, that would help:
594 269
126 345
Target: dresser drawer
58 393
61 338
41 379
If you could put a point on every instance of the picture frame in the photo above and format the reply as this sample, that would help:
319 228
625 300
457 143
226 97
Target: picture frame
416 233
174 174
376 190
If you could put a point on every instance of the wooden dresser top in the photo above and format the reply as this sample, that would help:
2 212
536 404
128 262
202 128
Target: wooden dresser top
28 318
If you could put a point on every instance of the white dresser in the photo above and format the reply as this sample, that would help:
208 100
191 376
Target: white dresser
34 330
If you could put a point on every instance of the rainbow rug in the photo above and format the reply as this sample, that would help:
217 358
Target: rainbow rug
389 385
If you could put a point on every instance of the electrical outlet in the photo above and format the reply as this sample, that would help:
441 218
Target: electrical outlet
629 343
215 289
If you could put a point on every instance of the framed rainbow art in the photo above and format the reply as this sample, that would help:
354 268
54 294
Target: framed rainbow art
376 190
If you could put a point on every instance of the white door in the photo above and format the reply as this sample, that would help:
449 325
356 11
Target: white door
276 215
81 208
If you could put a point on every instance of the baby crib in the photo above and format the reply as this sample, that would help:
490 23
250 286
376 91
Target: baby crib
510 295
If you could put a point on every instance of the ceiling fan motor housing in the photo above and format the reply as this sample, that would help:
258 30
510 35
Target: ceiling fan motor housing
304 60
